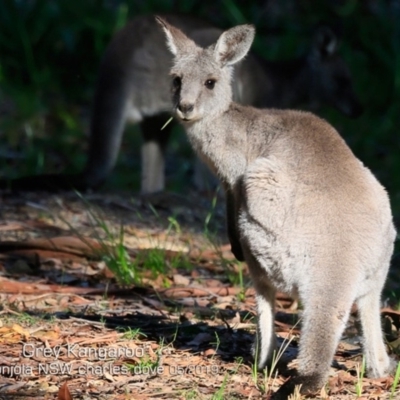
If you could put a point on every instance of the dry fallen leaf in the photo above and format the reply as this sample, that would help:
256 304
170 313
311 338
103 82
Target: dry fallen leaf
46 335
13 334
64 393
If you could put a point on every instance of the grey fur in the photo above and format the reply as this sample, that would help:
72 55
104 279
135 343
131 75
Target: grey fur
132 86
306 215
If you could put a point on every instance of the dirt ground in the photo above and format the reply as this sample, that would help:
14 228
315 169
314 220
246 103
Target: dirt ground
183 330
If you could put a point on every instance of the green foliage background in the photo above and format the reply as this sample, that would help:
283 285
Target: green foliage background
50 52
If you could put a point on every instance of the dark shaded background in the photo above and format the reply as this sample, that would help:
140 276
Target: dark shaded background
50 52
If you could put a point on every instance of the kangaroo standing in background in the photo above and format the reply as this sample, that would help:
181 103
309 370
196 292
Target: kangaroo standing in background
304 213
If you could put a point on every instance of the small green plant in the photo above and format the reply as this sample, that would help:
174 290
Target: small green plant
220 393
271 373
173 225
155 259
114 253
242 293
360 370
192 394
217 343
28 319
152 260
112 250
296 395
132 334
181 260
239 361
394 297
211 213
146 364
117 258
254 367
395 382
234 273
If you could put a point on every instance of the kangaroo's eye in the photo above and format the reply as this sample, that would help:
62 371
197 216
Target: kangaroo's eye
210 83
176 82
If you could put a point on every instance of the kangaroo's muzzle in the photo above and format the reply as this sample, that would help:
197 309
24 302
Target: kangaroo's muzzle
185 111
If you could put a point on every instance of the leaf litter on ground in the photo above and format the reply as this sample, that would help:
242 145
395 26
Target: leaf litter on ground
69 330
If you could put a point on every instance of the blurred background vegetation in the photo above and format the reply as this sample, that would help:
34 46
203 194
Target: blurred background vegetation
50 52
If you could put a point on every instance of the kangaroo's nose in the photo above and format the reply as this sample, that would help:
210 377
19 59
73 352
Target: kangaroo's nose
185 107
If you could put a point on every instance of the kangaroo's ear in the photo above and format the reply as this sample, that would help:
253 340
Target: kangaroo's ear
177 41
234 44
325 41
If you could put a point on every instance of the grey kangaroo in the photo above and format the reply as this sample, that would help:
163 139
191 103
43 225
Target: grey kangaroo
304 213
132 85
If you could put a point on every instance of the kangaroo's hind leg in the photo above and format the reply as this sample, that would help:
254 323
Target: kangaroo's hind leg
265 342
153 153
326 311
376 358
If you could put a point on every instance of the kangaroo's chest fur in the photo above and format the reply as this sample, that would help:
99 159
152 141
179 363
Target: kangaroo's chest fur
306 204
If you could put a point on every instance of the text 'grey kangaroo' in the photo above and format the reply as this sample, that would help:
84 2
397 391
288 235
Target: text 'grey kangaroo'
304 213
